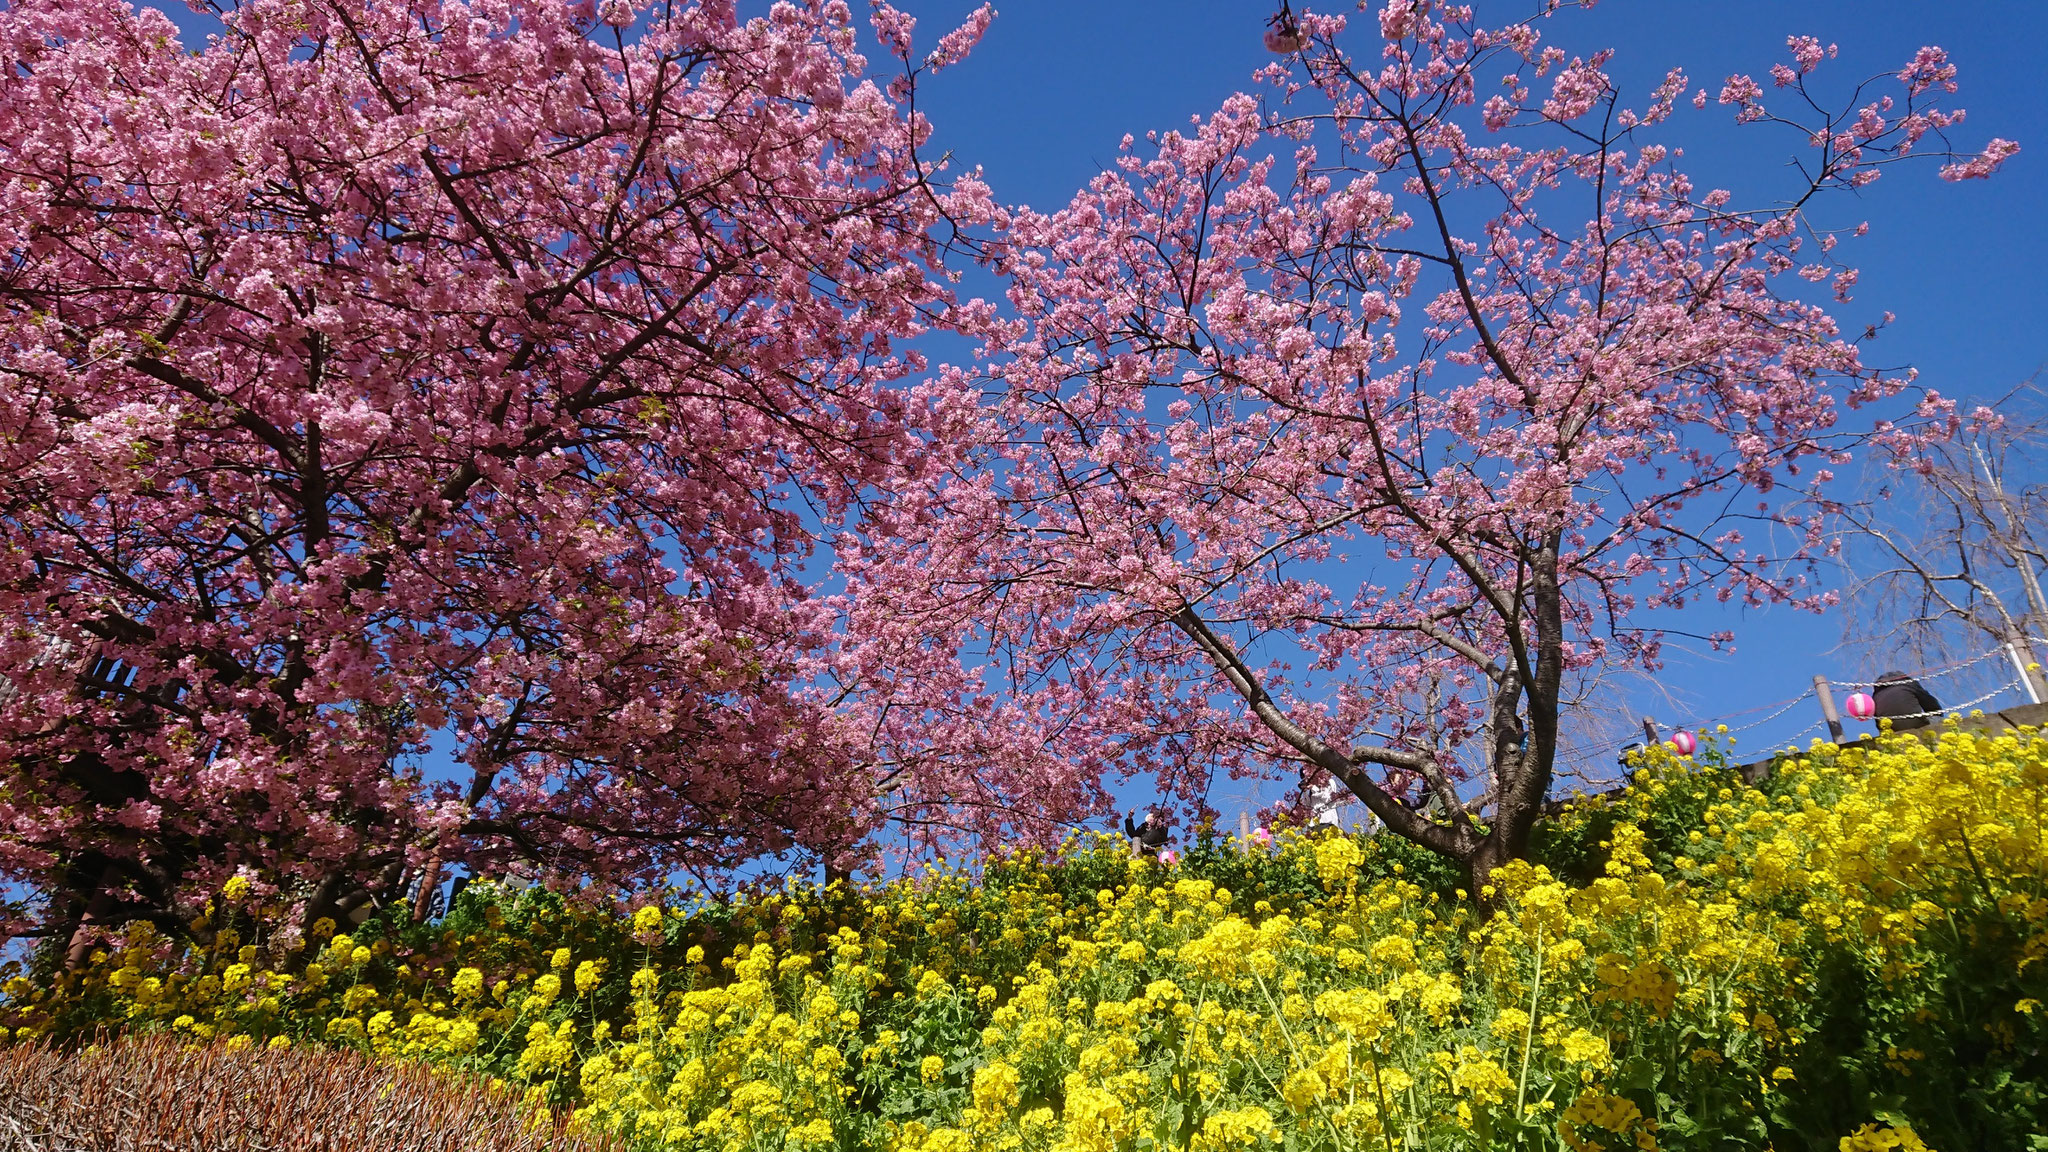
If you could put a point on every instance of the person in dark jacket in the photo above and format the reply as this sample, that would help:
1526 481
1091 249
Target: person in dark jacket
1148 836
1901 698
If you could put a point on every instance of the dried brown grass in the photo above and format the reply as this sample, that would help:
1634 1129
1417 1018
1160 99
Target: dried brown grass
154 1094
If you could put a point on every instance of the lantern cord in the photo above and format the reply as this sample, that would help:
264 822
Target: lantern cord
1791 742
1761 707
1783 707
1810 728
1964 706
1788 705
1995 653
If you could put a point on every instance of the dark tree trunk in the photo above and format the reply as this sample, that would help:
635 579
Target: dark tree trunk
99 907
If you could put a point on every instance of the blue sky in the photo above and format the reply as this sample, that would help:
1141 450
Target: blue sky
1043 102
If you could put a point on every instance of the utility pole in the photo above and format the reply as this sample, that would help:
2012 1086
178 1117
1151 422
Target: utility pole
2012 649
1827 708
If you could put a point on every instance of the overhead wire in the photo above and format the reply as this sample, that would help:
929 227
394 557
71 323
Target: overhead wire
1964 706
1935 674
1780 708
1785 707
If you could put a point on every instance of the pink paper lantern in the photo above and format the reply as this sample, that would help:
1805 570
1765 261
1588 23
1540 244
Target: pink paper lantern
1860 705
1683 742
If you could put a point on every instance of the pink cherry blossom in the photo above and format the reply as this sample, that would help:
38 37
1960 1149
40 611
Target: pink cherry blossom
893 28
1747 97
1807 52
1929 69
1578 87
955 45
1284 34
380 374
1324 441
1984 163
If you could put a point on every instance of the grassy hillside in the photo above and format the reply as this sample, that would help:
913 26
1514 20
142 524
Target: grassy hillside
1852 954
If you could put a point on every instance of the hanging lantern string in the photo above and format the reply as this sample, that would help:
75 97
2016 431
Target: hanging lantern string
1995 653
1780 708
1963 707
1814 727
1780 704
1783 706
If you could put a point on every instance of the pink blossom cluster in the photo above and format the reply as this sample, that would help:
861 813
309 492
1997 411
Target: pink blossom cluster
1323 441
386 373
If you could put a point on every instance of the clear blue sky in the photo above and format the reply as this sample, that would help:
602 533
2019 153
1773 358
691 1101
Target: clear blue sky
1044 100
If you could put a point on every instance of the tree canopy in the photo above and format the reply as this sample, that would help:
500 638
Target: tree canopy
543 380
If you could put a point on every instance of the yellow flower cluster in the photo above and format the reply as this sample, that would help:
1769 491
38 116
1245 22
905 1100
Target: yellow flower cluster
1674 994
1882 1138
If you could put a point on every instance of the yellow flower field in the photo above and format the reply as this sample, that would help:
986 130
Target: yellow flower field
1848 956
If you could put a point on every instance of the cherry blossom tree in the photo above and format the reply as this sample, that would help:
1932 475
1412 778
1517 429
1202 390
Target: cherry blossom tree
482 369
1344 434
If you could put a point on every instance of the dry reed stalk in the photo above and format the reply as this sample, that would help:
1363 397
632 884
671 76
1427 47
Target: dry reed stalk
156 1095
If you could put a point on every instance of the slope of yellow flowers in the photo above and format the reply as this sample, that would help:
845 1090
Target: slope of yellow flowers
1852 955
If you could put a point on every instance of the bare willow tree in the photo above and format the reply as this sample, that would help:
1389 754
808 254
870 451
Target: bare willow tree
1945 551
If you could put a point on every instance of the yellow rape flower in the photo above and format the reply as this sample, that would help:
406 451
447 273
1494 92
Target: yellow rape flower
1302 1088
1235 1128
547 988
995 1087
647 920
1882 1138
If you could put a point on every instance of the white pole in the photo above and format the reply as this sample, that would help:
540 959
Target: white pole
2020 662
